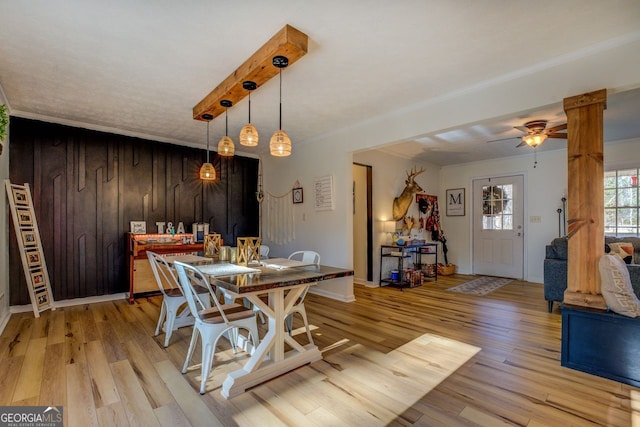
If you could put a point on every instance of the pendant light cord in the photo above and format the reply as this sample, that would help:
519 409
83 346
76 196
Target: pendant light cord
280 98
249 106
226 122
208 140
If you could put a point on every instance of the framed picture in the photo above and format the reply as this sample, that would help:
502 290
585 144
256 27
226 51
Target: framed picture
138 227
42 298
37 278
33 258
455 202
29 238
20 197
24 217
324 193
297 195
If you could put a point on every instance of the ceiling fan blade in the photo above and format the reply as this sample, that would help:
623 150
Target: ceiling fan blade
503 139
522 129
521 144
557 135
555 128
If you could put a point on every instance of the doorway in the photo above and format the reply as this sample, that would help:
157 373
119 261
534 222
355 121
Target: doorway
362 224
498 234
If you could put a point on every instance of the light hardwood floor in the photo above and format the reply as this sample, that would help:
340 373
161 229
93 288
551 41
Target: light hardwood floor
423 356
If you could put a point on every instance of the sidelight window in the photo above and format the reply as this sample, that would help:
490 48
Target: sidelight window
621 208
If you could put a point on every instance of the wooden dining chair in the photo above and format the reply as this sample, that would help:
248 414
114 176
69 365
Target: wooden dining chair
298 307
211 323
248 250
172 296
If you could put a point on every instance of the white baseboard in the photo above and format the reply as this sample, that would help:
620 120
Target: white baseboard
535 279
72 302
332 295
366 283
4 320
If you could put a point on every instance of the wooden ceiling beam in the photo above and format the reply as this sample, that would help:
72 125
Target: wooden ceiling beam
259 68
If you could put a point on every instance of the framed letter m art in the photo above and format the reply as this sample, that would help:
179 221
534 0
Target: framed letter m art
455 202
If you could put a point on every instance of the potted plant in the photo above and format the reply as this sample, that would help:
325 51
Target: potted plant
4 124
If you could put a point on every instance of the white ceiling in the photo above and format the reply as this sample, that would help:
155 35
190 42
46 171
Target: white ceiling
138 67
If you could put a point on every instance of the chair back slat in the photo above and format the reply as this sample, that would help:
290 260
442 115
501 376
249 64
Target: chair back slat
190 276
264 251
305 256
165 277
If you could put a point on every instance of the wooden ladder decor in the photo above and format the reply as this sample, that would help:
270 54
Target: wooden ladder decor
30 245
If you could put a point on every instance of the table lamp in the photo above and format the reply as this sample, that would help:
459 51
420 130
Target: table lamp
389 227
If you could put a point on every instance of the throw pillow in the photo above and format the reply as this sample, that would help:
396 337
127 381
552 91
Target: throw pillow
616 286
624 249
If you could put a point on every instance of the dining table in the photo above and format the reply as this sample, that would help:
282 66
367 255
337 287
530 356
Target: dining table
284 282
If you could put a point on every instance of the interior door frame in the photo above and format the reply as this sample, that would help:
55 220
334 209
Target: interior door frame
525 222
369 190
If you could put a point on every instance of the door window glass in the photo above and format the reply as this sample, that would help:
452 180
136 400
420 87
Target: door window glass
497 207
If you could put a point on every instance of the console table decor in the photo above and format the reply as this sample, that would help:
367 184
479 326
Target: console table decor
141 279
407 260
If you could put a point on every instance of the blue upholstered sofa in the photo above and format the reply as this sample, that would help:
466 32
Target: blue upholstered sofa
555 268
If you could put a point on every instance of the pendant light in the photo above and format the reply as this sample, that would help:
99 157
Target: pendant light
280 144
225 146
249 134
207 171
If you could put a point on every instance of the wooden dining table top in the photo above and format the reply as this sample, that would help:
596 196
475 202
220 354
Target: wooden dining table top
271 273
265 278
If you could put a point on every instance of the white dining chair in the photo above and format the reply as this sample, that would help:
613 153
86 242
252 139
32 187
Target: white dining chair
298 307
211 323
264 251
172 296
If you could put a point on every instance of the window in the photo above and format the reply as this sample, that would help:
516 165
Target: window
497 207
621 206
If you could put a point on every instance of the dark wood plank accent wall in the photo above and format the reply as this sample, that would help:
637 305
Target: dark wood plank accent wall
87 186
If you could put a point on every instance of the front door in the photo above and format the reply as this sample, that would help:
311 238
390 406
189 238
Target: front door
498 238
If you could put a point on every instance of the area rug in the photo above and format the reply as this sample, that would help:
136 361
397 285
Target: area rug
481 286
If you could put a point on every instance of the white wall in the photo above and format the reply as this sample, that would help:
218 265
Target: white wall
622 154
544 187
328 232
389 174
4 233
615 66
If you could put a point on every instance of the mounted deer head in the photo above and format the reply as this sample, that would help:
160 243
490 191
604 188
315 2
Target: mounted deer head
403 201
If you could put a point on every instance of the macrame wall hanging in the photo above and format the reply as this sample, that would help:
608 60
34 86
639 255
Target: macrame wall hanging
279 218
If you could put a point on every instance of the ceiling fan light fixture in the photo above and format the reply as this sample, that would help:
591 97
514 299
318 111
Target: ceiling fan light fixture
207 171
534 140
280 143
226 147
249 134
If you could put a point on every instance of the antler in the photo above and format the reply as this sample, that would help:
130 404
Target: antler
414 173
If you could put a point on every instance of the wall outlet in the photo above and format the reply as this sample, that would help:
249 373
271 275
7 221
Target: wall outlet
535 219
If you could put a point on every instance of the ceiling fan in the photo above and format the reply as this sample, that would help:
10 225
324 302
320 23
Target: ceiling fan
537 132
